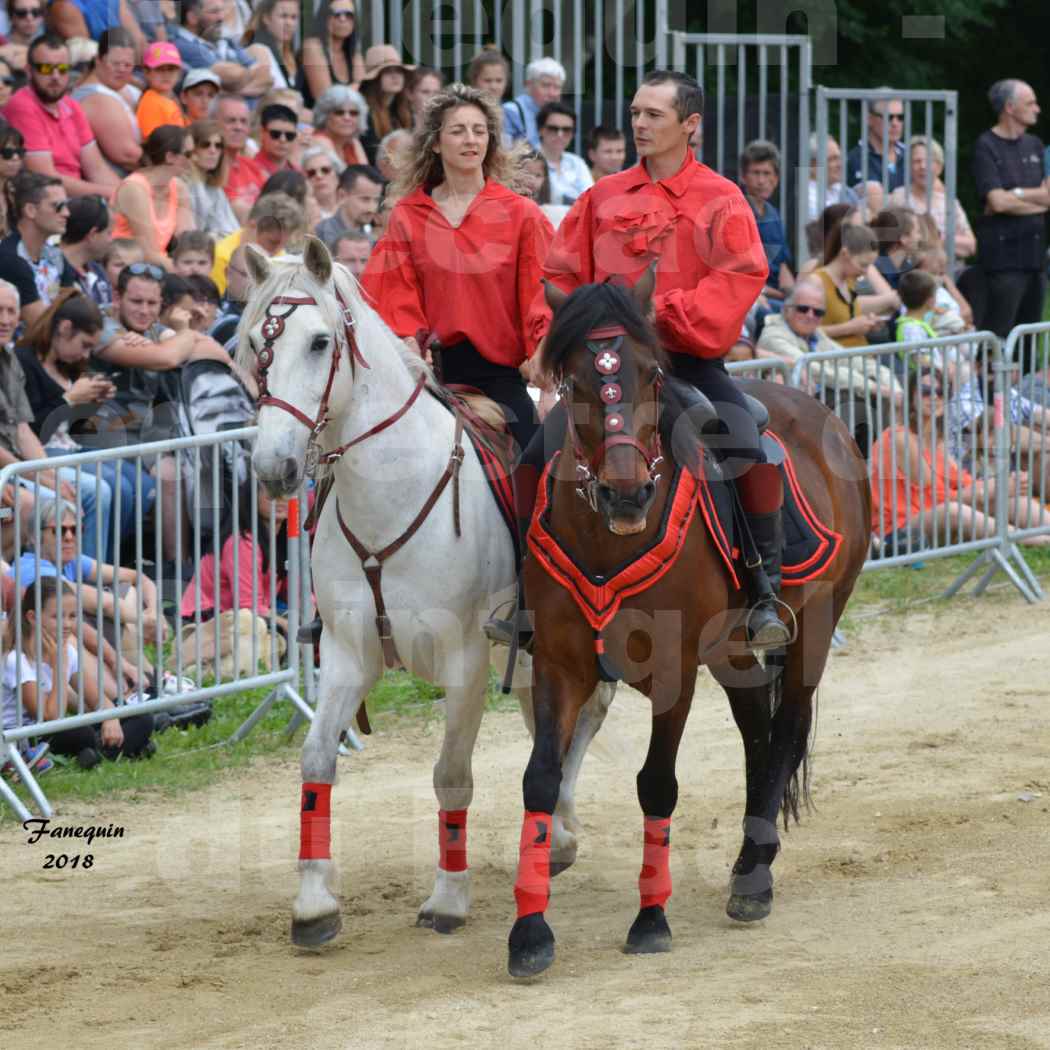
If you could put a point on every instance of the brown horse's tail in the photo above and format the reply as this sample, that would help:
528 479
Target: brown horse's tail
797 794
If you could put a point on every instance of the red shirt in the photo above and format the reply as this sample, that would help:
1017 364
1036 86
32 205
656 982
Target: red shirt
63 132
711 268
473 282
245 180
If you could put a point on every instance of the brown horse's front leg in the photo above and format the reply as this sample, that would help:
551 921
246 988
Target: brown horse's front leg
558 699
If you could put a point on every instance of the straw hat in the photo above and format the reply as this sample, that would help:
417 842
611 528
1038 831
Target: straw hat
380 57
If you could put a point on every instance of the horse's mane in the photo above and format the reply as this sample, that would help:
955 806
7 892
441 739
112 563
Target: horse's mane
595 306
371 330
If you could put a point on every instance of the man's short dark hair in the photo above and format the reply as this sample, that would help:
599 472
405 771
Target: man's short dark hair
548 111
172 289
203 289
760 152
604 133
275 111
916 288
87 215
689 95
30 187
353 172
139 272
51 40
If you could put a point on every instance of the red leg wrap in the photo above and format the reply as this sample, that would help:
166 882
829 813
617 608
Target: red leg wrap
532 888
315 822
452 839
761 489
654 882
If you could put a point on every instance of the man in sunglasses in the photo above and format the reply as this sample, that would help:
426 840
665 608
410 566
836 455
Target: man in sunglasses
58 137
280 129
885 127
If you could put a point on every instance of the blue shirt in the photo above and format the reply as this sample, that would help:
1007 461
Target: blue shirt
199 54
855 166
774 240
519 120
27 567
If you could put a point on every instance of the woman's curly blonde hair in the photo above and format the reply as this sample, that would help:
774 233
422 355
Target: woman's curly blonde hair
426 169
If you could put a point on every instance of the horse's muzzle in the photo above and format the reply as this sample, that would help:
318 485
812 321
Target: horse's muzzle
625 512
285 478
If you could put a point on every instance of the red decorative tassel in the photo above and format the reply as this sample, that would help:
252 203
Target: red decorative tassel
315 822
532 888
452 839
654 882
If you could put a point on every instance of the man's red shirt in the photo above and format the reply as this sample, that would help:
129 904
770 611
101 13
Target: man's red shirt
246 178
711 263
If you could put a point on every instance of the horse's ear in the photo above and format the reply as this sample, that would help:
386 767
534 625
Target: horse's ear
554 295
643 289
258 264
317 260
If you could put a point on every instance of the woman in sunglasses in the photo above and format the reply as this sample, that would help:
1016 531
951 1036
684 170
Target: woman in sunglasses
273 26
340 118
208 174
321 171
26 18
12 160
333 57
153 205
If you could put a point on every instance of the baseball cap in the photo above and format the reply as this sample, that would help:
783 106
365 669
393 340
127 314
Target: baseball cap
200 76
161 53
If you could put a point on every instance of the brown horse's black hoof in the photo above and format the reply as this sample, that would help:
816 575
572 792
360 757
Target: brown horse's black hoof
750 908
314 933
531 946
649 933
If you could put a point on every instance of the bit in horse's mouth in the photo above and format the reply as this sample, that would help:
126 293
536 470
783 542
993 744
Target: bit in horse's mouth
619 527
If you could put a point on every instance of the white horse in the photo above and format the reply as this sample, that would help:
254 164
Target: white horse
330 371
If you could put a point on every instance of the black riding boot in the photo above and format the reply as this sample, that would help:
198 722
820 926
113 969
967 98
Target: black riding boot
765 630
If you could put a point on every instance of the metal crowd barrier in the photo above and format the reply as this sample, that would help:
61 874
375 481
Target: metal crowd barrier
194 490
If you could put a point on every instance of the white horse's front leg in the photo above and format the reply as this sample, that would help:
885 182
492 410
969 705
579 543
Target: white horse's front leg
447 906
315 912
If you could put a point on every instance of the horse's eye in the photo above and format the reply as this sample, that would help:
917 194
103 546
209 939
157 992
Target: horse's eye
319 343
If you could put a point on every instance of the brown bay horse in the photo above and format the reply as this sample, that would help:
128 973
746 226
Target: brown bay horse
654 600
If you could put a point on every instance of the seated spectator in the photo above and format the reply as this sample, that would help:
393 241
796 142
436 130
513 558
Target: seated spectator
82 55
280 129
899 236
538 181
850 316
28 260
159 106
293 184
352 250
8 81
245 177
927 194
202 46
393 153
760 175
192 252
423 85
273 221
359 188
606 150
238 282
544 79
274 25
206 302
25 24
340 116
58 138
828 234
153 205
489 72
383 89
319 168
85 242
109 100
93 18
207 179
885 122
334 55
569 175
835 190
121 252
952 315
50 689
199 89
918 292
12 154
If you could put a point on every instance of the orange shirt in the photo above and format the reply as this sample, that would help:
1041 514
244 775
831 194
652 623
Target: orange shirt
473 282
896 502
711 265
156 109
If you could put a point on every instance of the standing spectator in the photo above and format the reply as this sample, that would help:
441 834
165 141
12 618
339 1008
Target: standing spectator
544 80
28 260
606 150
202 46
425 83
383 88
569 175
1011 234
899 237
280 129
109 100
334 57
835 190
207 179
58 138
340 116
12 161
393 153
320 171
760 175
360 186
153 205
274 25
158 105
199 89
488 71
85 242
885 118
245 177
353 250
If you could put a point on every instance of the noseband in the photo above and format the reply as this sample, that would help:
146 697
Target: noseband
605 345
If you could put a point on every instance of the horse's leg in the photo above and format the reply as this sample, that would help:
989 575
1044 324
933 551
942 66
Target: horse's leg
344 684
557 701
658 795
446 908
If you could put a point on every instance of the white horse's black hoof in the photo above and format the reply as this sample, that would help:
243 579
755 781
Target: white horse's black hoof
440 923
750 908
649 933
313 933
531 945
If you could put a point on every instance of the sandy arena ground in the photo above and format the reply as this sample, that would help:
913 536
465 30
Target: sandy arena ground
911 908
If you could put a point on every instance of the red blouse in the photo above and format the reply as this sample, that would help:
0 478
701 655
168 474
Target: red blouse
472 282
711 268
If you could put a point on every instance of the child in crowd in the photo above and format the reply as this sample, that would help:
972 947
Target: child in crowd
206 301
158 104
122 252
918 292
192 252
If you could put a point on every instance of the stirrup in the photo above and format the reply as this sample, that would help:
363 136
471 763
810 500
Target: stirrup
765 629
310 633
499 632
